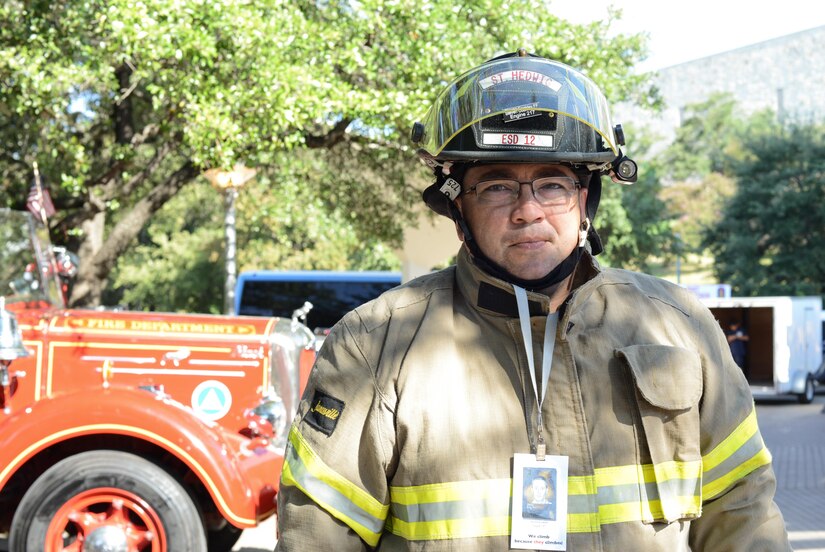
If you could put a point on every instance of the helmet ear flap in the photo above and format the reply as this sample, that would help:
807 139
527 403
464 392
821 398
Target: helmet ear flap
594 195
440 194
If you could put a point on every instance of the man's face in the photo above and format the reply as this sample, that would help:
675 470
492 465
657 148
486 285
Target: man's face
539 489
525 238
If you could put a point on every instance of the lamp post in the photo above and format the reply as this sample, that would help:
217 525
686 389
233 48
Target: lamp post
229 182
678 237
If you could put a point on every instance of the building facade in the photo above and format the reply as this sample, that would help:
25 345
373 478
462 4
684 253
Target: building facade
785 74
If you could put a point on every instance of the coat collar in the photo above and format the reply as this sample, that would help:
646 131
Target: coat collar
495 296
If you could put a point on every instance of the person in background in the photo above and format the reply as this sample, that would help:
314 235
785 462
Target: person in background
737 340
526 353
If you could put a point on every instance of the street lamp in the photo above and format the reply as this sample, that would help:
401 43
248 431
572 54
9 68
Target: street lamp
229 182
678 237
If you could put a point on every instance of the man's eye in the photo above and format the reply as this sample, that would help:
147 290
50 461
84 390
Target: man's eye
554 185
495 188
549 186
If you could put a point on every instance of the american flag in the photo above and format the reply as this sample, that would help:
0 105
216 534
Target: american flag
39 202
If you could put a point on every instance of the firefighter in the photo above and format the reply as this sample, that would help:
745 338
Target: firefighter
426 406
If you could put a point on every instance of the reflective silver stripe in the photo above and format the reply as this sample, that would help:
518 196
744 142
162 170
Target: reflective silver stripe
748 450
577 504
580 504
328 496
621 494
457 509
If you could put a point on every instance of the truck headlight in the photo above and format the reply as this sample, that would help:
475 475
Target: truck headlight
287 340
268 419
272 412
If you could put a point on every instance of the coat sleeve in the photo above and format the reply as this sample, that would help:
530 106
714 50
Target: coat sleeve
738 482
333 492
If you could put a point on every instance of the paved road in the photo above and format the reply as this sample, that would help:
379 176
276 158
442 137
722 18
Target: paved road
260 539
795 435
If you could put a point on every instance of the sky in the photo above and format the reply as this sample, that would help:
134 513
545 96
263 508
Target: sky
687 30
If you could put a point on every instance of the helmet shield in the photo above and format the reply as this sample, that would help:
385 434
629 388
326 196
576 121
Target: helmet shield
520 109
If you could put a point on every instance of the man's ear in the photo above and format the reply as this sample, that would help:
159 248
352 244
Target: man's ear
583 203
458 231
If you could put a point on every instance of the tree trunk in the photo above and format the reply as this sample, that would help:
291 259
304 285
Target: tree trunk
98 257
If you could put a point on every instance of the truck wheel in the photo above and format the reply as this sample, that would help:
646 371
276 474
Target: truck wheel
807 396
106 500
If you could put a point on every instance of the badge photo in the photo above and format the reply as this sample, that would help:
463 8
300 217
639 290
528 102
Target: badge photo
539 503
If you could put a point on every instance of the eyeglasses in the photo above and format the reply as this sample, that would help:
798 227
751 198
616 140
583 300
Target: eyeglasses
556 192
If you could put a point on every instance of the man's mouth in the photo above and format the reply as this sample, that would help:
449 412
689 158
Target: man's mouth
531 242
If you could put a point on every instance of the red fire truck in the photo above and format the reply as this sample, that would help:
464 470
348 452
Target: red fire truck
133 430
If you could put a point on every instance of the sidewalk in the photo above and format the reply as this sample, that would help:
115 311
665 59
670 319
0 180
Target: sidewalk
800 494
795 435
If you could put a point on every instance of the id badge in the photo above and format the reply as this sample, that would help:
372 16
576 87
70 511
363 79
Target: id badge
539 503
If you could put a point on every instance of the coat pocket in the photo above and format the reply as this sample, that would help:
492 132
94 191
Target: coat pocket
668 384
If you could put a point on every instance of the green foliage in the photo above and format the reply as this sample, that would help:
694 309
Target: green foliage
697 168
770 239
703 141
304 215
710 137
633 221
123 103
177 263
696 206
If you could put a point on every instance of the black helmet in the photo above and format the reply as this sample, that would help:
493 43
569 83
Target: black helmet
519 108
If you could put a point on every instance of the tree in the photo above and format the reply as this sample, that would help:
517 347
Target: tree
633 221
706 139
770 239
123 104
696 168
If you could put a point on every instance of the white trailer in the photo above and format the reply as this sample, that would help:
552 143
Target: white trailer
785 346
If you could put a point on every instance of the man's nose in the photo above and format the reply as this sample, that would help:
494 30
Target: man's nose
527 208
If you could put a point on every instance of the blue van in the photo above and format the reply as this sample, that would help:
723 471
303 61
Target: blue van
332 293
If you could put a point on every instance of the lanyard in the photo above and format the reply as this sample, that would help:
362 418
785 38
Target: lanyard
546 360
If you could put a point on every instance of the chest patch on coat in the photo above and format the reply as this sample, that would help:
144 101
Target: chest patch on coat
324 412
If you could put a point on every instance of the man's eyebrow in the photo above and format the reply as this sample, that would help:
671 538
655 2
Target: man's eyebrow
505 174
497 173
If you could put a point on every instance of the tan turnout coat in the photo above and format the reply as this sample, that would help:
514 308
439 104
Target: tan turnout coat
419 399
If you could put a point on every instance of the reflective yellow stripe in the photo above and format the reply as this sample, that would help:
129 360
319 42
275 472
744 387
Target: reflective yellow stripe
460 509
467 509
742 452
714 488
583 523
581 485
648 473
450 528
447 492
732 442
341 498
650 510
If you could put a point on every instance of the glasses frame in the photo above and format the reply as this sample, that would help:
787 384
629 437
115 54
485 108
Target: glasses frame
532 183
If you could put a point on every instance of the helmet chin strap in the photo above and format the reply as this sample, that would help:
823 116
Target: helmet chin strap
584 229
558 274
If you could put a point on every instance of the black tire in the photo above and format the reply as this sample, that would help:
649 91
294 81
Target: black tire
807 396
144 498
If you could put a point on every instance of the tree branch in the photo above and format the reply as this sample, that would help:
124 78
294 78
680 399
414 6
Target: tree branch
334 136
94 271
145 173
131 224
124 123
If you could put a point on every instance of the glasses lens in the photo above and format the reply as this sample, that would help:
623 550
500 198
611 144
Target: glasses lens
554 190
549 191
497 192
